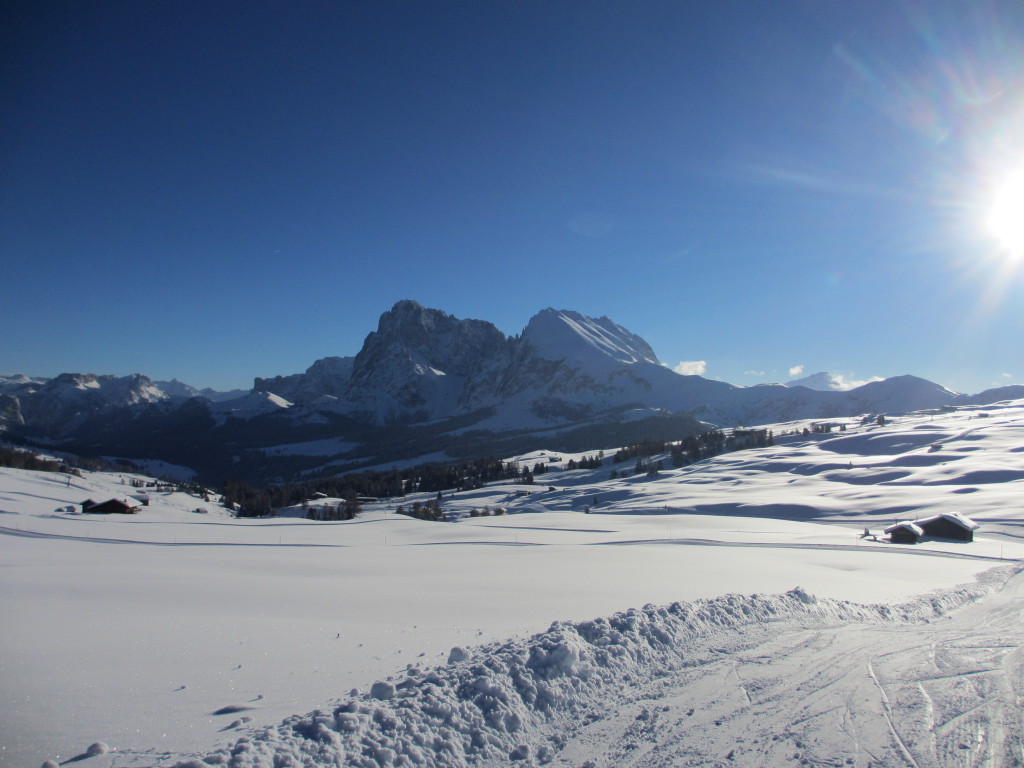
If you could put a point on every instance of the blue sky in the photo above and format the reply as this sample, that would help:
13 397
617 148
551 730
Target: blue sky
217 191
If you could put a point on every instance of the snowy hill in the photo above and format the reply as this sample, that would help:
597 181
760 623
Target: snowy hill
680 633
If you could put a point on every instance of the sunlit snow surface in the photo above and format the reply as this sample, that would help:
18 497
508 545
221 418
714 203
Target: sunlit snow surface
176 631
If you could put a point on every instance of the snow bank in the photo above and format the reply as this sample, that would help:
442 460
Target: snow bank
517 700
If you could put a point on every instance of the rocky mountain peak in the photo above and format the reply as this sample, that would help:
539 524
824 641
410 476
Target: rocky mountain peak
567 335
412 336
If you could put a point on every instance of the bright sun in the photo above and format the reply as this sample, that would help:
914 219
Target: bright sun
1006 217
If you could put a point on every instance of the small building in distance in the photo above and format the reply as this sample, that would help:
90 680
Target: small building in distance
904 533
949 525
117 506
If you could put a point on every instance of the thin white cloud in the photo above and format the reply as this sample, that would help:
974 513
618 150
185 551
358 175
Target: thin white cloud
753 373
691 367
1007 375
842 383
592 225
796 370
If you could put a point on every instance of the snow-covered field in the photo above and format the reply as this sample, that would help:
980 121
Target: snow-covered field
746 620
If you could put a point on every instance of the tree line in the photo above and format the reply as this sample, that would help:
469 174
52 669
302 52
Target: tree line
259 501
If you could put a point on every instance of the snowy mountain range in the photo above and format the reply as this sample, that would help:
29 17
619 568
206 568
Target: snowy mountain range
426 381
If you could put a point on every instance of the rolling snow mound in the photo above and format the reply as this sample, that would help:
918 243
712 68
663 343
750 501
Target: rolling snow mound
518 700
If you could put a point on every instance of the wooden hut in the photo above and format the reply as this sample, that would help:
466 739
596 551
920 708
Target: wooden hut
117 506
950 525
904 533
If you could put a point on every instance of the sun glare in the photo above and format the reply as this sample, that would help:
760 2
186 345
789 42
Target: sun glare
1006 217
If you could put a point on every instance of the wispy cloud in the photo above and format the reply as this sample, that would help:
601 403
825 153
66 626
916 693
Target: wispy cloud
841 382
691 367
753 373
796 370
592 225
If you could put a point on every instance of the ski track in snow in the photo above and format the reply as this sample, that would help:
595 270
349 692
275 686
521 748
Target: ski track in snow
761 680
7 531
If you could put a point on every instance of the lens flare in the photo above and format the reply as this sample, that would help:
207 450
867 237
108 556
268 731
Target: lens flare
1006 216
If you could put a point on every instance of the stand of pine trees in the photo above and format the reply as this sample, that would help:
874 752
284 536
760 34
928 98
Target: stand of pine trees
346 510
429 511
258 501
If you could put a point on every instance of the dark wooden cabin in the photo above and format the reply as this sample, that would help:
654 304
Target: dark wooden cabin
904 533
949 526
111 506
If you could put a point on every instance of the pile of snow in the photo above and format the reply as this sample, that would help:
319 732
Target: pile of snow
517 700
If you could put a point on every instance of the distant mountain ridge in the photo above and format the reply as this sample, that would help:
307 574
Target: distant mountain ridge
424 381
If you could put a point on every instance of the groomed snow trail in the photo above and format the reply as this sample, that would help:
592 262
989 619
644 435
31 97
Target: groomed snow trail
761 680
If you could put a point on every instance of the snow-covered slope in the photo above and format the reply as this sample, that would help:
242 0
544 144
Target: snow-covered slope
10 382
248 406
707 681
196 633
328 376
564 335
61 404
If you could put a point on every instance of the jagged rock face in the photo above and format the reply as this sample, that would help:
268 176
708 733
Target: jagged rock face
328 376
175 388
424 363
10 412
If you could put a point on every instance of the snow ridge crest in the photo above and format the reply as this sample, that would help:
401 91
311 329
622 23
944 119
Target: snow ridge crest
564 334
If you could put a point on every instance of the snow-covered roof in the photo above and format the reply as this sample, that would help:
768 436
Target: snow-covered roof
954 517
905 524
128 502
